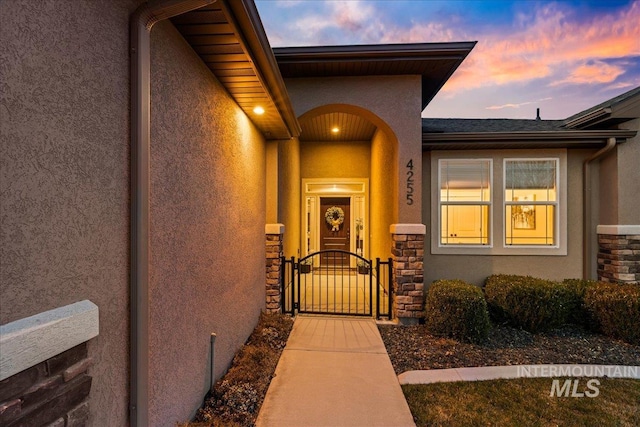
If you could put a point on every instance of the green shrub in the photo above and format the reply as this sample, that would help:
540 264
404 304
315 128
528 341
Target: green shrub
457 309
615 309
527 302
578 313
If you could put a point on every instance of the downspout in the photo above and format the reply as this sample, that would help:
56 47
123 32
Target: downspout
586 207
142 20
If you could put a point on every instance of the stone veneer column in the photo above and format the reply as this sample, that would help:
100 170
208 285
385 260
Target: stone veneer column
408 272
619 253
274 234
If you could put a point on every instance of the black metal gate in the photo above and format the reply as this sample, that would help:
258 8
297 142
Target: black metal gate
337 283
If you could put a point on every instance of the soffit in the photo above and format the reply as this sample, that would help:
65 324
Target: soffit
229 38
350 127
434 62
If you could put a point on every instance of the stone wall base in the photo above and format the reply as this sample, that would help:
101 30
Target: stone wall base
54 392
408 272
274 252
619 254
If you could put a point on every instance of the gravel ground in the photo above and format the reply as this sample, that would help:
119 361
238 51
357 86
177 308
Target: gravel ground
412 348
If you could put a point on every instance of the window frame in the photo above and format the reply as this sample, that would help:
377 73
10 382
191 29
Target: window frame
497 225
556 203
489 204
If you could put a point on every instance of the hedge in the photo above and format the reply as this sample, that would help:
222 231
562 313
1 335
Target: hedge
457 309
578 313
528 302
615 309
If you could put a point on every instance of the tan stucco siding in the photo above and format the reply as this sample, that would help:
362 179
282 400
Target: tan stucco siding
476 268
207 227
619 178
271 182
394 102
289 194
383 212
335 159
64 132
608 187
629 176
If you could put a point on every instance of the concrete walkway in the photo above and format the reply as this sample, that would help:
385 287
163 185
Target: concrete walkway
483 373
334 372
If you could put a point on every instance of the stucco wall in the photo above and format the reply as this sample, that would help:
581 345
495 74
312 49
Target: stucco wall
608 187
619 176
394 102
64 185
383 190
629 176
476 268
207 227
289 194
335 159
272 182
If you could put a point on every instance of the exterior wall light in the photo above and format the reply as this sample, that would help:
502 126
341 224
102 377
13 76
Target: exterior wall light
335 130
258 110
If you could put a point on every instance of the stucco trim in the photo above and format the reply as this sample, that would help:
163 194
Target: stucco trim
408 229
274 229
31 340
618 229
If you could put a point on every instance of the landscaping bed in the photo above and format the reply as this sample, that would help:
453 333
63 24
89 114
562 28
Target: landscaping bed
237 396
413 348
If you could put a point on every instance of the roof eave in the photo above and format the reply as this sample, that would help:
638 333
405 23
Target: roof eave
549 139
589 118
377 51
456 51
463 50
248 20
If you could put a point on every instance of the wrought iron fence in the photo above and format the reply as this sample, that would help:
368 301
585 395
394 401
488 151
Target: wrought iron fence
337 283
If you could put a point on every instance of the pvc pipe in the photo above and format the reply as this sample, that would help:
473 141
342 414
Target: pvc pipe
213 375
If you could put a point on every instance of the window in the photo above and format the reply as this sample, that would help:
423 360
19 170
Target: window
530 200
499 202
465 201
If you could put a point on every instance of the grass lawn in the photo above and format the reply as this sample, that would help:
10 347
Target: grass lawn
524 402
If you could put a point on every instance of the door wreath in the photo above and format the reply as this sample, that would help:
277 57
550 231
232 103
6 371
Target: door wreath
334 217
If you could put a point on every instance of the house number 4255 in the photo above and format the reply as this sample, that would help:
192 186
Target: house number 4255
410 182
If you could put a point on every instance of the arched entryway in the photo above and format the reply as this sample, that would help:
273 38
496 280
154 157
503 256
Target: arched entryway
348 159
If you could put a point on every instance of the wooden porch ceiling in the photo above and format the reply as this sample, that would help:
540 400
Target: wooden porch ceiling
229 38
350 127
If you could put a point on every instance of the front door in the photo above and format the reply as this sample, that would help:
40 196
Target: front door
334 229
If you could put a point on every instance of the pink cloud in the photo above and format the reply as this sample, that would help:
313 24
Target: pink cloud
599 72
552 46
503 106
551 42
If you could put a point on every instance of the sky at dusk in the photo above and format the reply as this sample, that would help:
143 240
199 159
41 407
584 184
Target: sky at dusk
562 57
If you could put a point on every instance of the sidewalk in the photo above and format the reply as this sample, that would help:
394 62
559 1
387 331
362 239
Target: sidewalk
334 372
483 373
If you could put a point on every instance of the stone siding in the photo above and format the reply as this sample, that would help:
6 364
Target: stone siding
408 277
619 258
54 392
274 273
